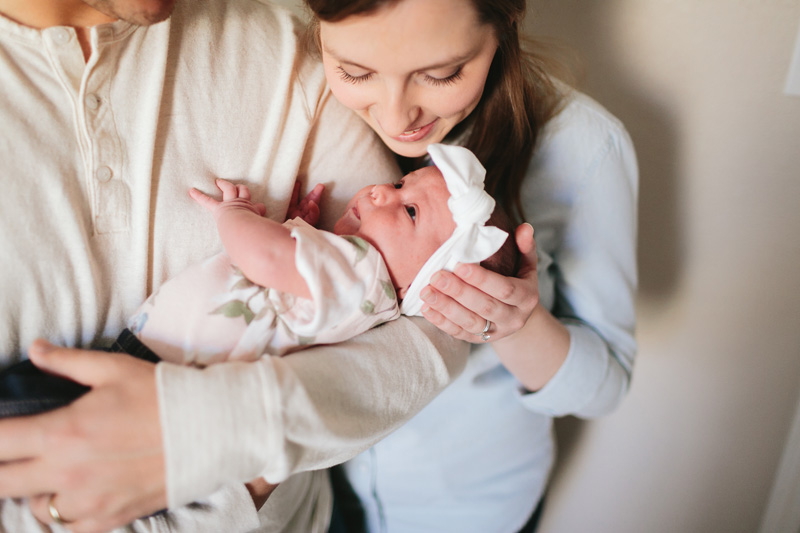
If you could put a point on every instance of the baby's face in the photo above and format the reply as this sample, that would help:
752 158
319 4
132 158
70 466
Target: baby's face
406 221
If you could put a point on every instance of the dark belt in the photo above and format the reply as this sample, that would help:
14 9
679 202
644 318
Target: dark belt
26 390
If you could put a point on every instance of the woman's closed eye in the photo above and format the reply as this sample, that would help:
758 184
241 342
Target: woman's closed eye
449 80
349 78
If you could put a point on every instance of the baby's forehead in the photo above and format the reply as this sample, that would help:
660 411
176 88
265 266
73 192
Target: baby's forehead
425 173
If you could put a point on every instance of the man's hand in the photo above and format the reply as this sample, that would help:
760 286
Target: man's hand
101 457
308 207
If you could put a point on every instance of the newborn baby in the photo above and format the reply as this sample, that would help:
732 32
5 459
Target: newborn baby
279 287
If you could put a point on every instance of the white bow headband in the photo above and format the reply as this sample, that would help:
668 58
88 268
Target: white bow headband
471 206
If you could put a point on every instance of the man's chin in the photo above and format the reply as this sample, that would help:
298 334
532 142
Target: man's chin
139 12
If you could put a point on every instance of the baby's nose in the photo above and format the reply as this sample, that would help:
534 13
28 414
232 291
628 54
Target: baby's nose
382 193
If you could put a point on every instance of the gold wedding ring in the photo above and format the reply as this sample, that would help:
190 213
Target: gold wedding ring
54 514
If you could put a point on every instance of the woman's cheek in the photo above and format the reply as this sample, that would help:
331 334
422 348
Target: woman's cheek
349 95
458 102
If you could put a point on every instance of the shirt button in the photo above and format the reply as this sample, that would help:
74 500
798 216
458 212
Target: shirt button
61 36
105 32
92 101
103 174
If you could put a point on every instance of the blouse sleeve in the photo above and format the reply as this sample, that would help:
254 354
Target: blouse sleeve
593 260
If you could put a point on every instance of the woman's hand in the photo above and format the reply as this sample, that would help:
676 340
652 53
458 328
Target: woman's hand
101 458
460 302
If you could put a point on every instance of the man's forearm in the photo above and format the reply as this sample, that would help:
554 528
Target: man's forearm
316 408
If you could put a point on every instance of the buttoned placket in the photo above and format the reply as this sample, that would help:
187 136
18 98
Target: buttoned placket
88 86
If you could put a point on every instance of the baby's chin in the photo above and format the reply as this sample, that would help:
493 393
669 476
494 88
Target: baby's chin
340 227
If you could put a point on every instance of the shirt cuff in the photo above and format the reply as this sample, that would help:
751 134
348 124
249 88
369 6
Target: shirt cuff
202 411
578 382
230 509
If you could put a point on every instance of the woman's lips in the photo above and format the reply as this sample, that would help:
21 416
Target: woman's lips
416 134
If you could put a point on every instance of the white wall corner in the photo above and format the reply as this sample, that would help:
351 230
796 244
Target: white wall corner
783 507
793 78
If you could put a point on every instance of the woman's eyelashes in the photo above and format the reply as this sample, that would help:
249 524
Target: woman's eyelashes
449 80
349 78
437 82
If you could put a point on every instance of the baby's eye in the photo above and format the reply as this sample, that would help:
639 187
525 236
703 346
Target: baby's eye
398 185
412 212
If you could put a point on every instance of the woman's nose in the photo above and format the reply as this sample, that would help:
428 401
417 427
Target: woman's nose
399 112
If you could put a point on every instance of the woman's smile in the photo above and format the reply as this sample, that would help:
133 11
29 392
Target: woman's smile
414 135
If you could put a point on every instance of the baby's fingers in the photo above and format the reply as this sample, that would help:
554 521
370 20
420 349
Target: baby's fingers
203 199
229 190
315 196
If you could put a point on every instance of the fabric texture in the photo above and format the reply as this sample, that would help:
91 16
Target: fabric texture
471 207
478 457
211 313
98 157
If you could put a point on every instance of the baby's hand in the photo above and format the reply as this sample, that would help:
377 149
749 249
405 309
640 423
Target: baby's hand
308 207
233 196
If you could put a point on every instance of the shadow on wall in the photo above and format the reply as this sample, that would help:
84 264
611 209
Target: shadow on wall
587 29
586 32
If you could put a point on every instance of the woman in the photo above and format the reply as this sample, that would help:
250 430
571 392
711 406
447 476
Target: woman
556 341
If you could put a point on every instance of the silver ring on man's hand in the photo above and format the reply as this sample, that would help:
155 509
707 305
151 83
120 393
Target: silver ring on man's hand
54 514
484 337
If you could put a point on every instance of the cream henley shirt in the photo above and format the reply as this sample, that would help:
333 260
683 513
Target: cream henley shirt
97 158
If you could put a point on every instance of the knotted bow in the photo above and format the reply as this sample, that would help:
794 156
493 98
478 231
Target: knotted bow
471 206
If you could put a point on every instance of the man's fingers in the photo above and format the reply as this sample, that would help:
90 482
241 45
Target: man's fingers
87 367
23 438
19 479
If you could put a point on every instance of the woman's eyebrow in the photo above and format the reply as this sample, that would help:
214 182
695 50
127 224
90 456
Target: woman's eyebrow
441 64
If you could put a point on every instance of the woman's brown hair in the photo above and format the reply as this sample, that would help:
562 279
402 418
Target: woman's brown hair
518 99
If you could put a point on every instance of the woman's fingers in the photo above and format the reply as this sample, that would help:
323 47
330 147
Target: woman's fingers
467 298
440 321
451 316
524 238
510 291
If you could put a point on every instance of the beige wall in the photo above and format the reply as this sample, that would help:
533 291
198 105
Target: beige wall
696 445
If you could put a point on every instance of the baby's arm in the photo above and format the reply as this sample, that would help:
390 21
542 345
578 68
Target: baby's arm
262 248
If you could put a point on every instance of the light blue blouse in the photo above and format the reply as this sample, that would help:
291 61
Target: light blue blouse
477 459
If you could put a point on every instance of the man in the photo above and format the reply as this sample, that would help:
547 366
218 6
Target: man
110 111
